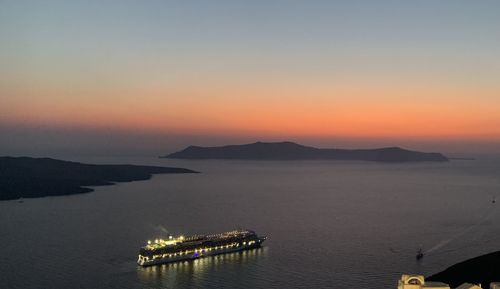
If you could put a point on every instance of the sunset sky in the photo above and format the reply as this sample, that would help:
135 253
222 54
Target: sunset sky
328 73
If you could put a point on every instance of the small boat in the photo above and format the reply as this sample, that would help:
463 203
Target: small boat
494 200
420 254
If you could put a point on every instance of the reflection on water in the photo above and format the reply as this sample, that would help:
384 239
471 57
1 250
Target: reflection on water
196 272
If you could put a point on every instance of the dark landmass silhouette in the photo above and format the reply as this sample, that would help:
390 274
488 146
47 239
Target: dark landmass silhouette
26 177
483 269
293 151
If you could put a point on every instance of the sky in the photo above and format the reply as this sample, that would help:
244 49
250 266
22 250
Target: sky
146 76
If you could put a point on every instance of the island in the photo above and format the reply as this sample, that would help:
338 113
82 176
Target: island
483 269
27 177
294 151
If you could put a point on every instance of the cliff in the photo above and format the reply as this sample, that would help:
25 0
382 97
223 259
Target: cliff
483 269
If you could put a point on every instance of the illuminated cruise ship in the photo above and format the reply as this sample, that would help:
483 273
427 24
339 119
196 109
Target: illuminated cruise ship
183 248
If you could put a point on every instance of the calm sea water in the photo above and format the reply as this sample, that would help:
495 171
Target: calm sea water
330 225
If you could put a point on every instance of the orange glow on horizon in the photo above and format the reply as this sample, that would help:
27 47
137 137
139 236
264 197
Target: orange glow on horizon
376 112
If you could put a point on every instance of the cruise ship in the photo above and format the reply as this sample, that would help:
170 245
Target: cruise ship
182 248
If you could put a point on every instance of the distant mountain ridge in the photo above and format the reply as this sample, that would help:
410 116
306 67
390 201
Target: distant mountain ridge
293 151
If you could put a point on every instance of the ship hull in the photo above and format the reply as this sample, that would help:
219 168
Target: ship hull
194 256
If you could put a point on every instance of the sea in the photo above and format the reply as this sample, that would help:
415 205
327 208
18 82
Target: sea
330 224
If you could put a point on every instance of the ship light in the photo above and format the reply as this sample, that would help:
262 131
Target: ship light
149 242
170 237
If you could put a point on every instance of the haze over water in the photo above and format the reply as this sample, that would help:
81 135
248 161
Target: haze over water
330 225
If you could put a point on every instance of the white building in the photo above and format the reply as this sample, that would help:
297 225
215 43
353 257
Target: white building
418 282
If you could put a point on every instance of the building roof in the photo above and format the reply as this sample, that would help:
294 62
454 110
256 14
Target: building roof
468 286
436 285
